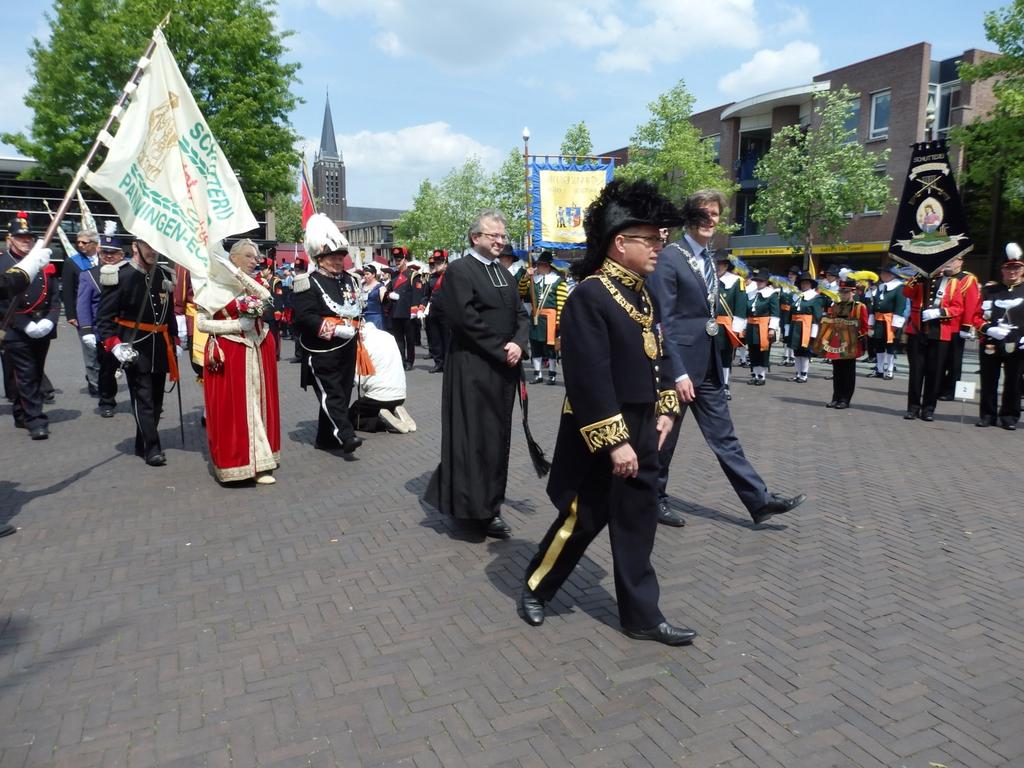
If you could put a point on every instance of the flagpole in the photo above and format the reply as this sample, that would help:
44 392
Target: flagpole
103 135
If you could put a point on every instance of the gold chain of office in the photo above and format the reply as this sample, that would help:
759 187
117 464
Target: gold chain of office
644 319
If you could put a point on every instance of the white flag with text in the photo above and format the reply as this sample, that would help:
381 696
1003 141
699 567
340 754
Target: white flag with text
166 175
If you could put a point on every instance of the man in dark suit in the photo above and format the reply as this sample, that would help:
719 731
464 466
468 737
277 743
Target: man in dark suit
685 289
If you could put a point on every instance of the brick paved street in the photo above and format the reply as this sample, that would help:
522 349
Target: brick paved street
151 617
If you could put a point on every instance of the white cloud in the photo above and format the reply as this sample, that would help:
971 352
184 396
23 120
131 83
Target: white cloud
770 69
797 22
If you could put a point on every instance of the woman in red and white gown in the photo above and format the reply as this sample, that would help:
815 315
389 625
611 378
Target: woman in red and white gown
243 423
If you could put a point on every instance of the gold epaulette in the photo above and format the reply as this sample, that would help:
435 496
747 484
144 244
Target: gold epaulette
605 433
668 403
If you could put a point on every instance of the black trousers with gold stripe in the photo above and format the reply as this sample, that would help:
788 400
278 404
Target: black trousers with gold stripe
627 506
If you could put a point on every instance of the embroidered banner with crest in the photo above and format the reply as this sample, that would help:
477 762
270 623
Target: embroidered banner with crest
561 190
930 224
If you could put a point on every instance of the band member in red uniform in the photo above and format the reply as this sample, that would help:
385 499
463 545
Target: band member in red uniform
936 307
841 339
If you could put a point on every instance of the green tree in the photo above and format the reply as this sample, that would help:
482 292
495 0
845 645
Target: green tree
288 217
229 53
817 176
577 142
993 144
508 194
417 228
668 150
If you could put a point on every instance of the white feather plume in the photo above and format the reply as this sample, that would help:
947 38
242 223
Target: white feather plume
109 227
1013 252
322 236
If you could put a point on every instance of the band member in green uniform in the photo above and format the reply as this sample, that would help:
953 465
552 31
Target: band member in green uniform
762 326
804 316
550 292
885 320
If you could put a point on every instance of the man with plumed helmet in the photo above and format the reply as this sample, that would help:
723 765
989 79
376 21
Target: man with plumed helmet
327 309
33 323
619 406
90 290
999 320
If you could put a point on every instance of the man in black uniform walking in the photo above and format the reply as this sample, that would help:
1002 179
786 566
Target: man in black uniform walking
405 294
30 322
437 331
135 323
620 404
999 320
327 313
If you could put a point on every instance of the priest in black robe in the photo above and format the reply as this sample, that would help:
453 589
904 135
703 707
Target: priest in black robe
489 329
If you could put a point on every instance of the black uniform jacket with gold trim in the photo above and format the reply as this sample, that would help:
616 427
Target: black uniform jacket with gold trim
605 366
310 309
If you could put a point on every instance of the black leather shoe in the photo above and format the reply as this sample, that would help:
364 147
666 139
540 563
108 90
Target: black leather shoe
39 433
761 382
841 405
530 608
777 505
946 398
498 528
436 369
831 404
911 414
663 633
668 516
49 397
1009 425
985 421
351 444
107 413
157 460
6 529
927 415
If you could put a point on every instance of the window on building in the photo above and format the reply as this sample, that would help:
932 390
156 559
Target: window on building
852 119
949 99
879 173
716 146
881 107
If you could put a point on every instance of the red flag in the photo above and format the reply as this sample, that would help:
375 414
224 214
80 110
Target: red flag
308 206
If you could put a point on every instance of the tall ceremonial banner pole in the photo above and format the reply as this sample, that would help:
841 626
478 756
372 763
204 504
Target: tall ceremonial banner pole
529 243
103 135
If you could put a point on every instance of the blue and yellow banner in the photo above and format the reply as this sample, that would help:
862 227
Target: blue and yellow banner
560 192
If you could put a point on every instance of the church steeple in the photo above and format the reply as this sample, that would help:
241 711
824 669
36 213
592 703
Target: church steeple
329 171
328 141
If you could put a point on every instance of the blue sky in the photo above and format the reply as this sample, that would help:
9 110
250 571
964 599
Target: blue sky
417 86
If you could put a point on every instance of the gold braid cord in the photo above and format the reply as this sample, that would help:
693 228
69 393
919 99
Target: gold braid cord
627 277
668 403
605 433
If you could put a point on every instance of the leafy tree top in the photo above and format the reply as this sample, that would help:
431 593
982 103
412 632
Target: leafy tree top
228 51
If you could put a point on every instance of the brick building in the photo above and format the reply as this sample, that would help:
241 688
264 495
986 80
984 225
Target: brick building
905 97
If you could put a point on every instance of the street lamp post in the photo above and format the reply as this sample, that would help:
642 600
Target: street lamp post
526 177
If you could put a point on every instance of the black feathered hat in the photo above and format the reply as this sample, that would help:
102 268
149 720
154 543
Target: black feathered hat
544 257
622 204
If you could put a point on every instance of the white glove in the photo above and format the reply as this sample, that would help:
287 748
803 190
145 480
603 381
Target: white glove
343 331
998 332
40 329
785 330
182 326
124 352
966 335
247 324
871 321
932 313
898 321
89 339
814 331
36 259
393 296
426 311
